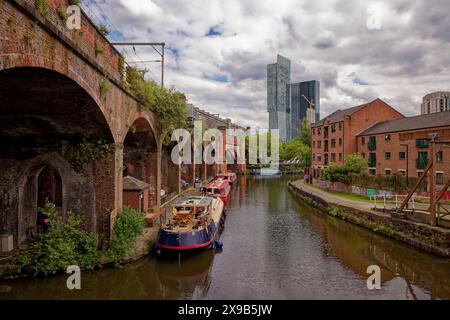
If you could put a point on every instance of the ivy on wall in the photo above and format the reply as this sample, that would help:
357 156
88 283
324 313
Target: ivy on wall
169 105
41 6
85 152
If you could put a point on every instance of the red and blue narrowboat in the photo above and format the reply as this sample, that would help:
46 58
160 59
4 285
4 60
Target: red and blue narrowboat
218 188
195 224
229 176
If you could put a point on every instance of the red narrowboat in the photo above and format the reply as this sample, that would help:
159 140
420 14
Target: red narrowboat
218 188
229 176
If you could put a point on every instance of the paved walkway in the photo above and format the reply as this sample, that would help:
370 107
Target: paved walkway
362 205
330 197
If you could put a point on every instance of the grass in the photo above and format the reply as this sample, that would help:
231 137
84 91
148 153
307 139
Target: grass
351 196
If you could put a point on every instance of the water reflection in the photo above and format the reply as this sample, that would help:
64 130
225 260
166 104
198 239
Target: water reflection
275 247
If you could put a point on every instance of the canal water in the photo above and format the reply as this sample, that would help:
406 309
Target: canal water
275 247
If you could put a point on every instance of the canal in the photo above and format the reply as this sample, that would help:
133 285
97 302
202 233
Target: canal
275 247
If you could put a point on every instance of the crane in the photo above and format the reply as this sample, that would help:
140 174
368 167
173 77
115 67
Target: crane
311 110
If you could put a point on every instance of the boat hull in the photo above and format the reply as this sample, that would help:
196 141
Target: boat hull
191 240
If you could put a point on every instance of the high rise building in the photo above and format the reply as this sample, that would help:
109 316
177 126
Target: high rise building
301 93
436 102
278 97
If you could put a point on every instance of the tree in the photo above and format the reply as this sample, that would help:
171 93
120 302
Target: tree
296 149
305 132
355 163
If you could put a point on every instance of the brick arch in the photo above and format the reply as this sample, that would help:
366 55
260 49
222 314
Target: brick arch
142 116
28 60
26 178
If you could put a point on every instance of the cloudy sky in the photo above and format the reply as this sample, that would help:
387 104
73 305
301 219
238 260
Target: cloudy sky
398 50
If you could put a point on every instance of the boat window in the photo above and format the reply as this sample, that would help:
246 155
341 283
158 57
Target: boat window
216 191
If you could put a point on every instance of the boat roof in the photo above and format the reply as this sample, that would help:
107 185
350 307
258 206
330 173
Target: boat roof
218 183
194 201
226 174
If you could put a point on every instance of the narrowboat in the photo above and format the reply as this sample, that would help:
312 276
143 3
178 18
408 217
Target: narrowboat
229 176
218 188
195 224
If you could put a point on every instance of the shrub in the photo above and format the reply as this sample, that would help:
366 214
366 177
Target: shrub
128 226
41 6
85 152
62 245
169 106
105 86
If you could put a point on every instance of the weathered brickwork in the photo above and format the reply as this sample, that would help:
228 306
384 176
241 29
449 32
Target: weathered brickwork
68 69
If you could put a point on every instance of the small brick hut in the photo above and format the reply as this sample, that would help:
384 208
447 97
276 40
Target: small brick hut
135 193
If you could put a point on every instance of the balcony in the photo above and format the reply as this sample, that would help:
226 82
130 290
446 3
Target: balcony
372 145
421 163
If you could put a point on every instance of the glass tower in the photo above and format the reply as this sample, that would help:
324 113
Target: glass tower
279 97
300 108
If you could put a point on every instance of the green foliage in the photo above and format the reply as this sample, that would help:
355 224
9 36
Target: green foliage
355 163
305 132
74 2
62 14
41 7
121 65
85 152
296 149
103 29
99 51
128 225
335 172
62 245
29 36
169 105
105 86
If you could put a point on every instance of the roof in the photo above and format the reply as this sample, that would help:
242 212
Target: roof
433 120
218 183
338 115
197 201
132 184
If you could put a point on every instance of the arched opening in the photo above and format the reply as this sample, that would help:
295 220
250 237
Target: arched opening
49 188
43 114
140 166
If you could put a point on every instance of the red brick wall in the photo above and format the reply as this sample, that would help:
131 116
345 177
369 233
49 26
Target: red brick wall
374 112
394 146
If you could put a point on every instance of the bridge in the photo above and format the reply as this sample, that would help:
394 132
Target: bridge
70 128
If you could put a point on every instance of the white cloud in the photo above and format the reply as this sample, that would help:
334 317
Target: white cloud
326 40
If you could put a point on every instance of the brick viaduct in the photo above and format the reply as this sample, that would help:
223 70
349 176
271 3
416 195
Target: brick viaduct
51 90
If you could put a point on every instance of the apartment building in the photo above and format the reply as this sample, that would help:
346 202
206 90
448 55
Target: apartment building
334 137
388 154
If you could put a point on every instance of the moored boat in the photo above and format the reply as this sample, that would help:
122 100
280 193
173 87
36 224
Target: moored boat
218 188
195 224
229 176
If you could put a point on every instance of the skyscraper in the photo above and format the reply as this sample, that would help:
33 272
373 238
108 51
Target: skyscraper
300 107
278 97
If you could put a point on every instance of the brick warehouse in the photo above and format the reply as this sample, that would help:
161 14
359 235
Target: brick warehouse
381 145
51 81
334 137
